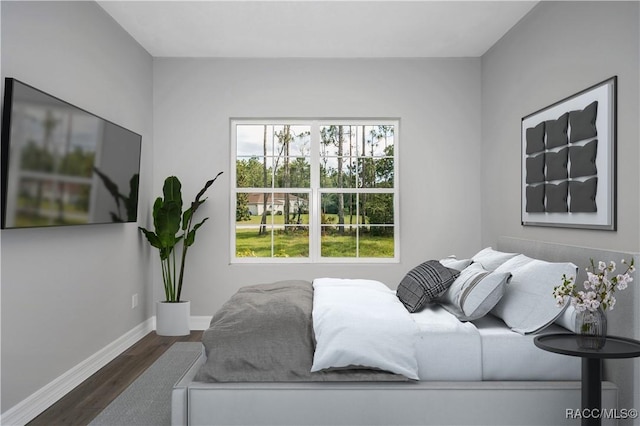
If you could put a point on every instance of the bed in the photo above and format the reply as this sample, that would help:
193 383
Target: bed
479 371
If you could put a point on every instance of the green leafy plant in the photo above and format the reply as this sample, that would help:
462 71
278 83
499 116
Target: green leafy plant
173 226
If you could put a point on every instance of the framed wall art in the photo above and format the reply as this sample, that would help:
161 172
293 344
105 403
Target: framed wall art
569 161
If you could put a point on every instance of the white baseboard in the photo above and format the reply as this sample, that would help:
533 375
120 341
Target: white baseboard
199 323
32 406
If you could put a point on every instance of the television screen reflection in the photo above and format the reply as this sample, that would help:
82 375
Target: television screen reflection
66 166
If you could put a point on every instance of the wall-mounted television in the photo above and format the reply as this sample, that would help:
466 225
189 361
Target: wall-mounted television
62 165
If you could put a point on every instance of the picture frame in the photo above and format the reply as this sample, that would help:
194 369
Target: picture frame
568 165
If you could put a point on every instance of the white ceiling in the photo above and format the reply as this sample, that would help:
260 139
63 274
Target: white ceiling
317 29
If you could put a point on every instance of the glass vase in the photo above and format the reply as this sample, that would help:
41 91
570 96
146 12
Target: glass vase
591 329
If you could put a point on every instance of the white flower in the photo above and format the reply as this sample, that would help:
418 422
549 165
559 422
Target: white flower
622 281
599 288
580 307
593 278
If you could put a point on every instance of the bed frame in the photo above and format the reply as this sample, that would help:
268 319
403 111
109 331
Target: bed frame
422 403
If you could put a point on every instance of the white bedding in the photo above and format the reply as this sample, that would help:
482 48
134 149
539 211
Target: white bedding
507 355
446 349
485 349
361 322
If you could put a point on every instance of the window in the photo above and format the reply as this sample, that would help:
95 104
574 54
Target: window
315 190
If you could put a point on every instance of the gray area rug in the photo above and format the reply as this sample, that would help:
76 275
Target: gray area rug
147 401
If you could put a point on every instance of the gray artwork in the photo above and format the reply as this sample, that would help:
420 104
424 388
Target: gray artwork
556 165
568 161
556 195
583 159
535 198
583 123
583 195
535 139
557 131
557 152
535 169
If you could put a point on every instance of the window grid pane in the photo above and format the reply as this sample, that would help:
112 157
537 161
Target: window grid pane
359 225
355 216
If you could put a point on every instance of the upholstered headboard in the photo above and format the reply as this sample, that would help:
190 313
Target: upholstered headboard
624 320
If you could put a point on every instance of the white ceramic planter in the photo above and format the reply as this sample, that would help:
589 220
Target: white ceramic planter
172 319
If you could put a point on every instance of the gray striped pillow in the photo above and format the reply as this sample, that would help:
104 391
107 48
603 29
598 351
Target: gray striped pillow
474 293
425 283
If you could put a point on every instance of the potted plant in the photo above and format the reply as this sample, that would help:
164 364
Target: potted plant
172 227
592 303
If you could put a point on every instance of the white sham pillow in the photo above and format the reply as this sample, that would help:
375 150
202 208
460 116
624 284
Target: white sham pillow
568 318
528 305
455 263
475 292
366 326
490 259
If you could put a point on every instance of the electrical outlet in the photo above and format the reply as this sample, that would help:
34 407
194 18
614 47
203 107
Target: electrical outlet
134 301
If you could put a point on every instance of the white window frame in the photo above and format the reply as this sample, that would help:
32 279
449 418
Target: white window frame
315 191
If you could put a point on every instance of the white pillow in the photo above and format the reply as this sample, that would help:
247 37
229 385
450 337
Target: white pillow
475 292
454 263
362 325
490 259
568 318
528 305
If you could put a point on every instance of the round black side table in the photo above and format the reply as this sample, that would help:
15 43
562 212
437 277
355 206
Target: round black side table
567 344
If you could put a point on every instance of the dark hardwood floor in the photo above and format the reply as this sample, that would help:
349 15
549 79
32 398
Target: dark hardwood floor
88 399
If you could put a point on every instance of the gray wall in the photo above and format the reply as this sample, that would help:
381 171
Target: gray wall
437 100
69 290
558 49
66 292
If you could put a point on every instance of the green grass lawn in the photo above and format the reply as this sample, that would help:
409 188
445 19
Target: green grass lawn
296 244
292 244
345 246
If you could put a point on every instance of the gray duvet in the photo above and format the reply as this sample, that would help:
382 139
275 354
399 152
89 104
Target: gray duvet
264 333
